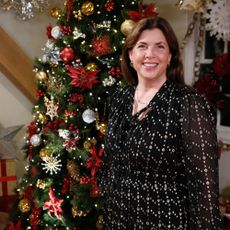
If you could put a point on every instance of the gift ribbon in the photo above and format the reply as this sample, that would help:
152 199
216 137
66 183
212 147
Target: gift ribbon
4 178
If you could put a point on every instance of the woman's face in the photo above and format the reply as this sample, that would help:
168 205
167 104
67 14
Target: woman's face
150 56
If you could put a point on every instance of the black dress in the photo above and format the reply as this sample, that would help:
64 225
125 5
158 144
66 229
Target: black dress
161 172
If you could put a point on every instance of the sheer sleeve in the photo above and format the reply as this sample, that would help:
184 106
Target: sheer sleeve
201 163
105 170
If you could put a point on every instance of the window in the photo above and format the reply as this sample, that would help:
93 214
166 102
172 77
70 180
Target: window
213 47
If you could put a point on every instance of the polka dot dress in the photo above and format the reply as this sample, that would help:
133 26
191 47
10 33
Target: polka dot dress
161 172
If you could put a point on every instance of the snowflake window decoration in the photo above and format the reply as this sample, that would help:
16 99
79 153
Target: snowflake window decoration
218 15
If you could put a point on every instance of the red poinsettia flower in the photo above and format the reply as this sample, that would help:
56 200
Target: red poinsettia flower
143 13
209 87
76 98
221 65
94 162
81 78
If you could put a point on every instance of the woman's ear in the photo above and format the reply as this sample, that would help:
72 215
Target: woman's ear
169 59
130 55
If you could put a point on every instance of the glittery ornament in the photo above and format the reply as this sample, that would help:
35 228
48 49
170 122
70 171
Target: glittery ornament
24 205
127 26
73 170
67 54
40 184
101 46
55 12
91 66
87 8
77 14
35 140
109 5
41 76
102 128
44 153
42 118
76 212
87 144
88 116
100 223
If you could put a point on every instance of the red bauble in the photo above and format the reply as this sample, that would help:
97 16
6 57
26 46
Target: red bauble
67 55
109 5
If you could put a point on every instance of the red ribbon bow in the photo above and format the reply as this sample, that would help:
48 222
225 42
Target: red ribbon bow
143 12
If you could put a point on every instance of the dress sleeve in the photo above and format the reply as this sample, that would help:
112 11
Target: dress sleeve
104 171
201 163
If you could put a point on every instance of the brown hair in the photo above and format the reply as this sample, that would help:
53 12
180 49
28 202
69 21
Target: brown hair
174 71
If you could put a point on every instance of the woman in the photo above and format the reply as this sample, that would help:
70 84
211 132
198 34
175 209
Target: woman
160 168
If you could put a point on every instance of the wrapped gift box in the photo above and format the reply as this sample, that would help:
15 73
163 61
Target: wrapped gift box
8 182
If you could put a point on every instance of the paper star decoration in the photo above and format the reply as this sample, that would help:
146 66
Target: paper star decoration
7 149
53 205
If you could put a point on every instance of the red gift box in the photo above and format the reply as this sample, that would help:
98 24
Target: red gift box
8 181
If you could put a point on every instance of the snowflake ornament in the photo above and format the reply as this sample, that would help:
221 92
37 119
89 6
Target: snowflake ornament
51 165
218 15
51 53
51 108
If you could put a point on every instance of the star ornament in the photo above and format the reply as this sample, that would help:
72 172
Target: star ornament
81 78
53 205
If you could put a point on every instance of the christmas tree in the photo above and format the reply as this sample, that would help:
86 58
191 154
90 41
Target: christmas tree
77 73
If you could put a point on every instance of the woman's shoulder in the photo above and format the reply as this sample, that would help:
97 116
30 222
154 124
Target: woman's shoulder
186 92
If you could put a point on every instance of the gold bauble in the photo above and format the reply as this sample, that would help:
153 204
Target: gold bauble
24 205
127 26
76 212
87 8
44 153
55 12
73 170
42 118
87 144
41 76
91 66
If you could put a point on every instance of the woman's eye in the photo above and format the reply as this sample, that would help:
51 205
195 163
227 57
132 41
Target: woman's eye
141 46
160 47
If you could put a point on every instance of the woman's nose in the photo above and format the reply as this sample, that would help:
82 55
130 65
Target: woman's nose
150 52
